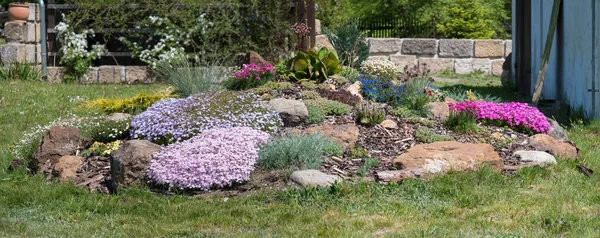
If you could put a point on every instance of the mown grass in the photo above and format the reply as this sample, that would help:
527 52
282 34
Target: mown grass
558 201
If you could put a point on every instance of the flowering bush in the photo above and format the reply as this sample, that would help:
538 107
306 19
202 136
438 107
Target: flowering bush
175 120
75 55
215 158
514 114
302 31
250 76
104 130
383 68
103 149
373 88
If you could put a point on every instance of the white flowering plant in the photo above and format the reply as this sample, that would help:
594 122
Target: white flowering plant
76 53
384 69
167 41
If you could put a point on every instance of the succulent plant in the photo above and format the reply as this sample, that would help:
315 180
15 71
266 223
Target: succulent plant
313 65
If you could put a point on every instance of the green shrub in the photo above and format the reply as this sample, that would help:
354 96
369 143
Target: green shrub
426 135
358 152
133 105
350 41
333 149
465 19
313 65
105 131
419 120
404 112
416 93
20 71
460 95
308 95
315 115
350 74
368 164
369 114
293 152
462 122
190 78
329 107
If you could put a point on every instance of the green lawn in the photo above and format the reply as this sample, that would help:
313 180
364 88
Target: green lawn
558 201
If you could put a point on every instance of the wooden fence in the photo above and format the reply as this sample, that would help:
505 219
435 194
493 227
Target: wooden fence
397 28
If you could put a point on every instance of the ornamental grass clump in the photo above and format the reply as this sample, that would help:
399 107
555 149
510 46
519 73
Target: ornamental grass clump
514 114
175 120
216 158
295 152
250 76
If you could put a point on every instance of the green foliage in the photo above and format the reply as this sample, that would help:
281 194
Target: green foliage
368 164
308 95
315 115
245 83
132 105
460 95
329 107
351 42
99 148
416 94
465 19
313 65
358 152
369 114
462 122
190 78
20 71
420 120
426 135
105 131
294 152
333 149
350 74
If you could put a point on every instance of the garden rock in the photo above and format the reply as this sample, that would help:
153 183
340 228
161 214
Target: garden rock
439 110
345 135
443 156
354 89
292 112
56 142
389 124
66 168
323 41
129 163
557 131
118 117
535 158
555 147
313 178
255 58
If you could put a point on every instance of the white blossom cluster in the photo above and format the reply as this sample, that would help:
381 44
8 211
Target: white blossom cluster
172 40
382 68
75 46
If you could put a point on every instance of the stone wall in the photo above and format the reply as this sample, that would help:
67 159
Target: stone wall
23 39
459 56
107 74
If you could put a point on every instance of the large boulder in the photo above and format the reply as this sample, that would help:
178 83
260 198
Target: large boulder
439 110
292 112
56 142
346 135
129 163
66 167
313 178
443 156
548 143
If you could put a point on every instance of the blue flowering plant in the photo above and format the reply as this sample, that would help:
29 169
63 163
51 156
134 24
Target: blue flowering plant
175 120
376 89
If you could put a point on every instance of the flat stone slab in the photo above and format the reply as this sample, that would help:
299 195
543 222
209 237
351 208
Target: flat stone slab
313 178
536 158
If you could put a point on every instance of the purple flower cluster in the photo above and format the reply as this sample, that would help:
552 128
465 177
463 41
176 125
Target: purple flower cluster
215 158
513 113
255 71
175 120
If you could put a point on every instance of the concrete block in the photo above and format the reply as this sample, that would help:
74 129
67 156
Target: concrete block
91 76
55 74
419 47
378 57
456 48
33 32
497 67
507 47
385 45
489 48
436 65
11 53
30 54
482 65
403 61
463 66
32 12
137 74
38 52
110 74
15 32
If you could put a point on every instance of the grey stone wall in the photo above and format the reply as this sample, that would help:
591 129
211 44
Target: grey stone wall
107 74
23 39
437 55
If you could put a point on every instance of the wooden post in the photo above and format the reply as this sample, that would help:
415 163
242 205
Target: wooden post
311 18
539 84
51 38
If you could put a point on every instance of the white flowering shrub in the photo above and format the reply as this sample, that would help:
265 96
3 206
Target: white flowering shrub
381 68
167 41
76 53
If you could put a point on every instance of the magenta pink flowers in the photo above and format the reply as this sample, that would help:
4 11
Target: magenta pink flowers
513 113
255 71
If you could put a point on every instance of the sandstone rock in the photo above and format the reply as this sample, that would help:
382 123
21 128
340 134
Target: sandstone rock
110 74
562 149
255 58
482 65
66 167
129 163
443 156
313 178
456 48
323 41
55 74
385 45
489 48
439 110
292 112
354 89
378 57
497 67
463 66
318 30
556 131
137 74
419 46
507 47
535 158
397 175
389 124
10 53
345 135
436 65
56 142
404 60
15 32
118 116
